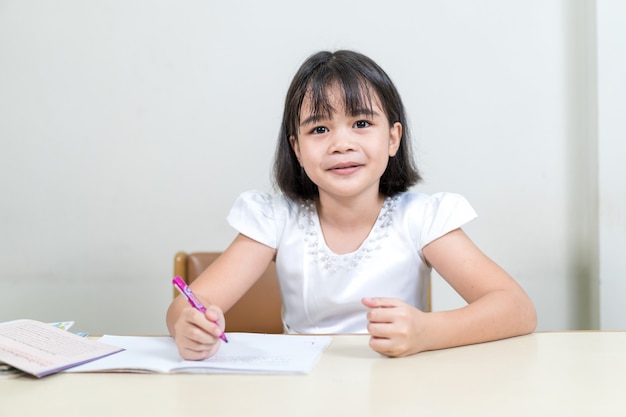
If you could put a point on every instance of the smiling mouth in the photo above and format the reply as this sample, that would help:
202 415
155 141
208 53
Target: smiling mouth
345 168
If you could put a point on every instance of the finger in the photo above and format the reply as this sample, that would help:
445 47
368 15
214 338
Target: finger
196 328
381 302
215 315
380 331
196 343
382 315
201 336
383 346
193 318
198 352
211 321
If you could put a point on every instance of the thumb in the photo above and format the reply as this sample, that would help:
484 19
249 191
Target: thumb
214 313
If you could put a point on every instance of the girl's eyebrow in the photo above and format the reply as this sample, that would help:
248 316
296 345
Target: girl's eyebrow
359 111
312 119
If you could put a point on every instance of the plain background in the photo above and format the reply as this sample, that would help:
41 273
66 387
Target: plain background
128 128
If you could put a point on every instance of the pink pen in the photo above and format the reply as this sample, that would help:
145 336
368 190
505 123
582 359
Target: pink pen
193 300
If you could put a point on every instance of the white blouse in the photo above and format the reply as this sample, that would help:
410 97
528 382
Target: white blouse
321 290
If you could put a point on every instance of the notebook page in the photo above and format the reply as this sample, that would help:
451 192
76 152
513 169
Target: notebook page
245 353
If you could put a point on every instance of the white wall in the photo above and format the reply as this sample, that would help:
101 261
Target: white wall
127 129
612 169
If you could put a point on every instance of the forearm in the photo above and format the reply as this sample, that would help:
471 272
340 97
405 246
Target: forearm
497 315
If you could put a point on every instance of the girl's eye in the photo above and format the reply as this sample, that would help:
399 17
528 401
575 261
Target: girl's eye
361 124
319 130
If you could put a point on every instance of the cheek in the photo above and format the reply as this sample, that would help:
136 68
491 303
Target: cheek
297 151
303 152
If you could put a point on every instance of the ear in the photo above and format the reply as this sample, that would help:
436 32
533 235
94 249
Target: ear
293 141
395 136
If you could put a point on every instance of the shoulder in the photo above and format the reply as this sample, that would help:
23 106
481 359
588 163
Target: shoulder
261 203
262 216
429 216
420 202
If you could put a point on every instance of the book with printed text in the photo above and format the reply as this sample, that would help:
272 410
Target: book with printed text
40 349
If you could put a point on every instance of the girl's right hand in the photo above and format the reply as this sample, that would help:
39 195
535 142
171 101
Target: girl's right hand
196 334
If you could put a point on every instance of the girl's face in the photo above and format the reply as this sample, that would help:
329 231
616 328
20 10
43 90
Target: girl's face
345 154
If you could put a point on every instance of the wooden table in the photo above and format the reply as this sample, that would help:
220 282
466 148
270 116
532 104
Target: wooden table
543 374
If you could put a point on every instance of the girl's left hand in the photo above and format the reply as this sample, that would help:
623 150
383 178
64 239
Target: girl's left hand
394 326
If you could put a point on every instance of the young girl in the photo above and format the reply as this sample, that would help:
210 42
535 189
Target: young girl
353 249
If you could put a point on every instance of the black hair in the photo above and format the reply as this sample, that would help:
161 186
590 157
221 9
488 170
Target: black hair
356 75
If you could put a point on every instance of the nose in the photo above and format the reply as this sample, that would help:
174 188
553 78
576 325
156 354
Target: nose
341 141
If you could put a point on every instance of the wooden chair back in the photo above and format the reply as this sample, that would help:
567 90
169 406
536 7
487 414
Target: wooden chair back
258 311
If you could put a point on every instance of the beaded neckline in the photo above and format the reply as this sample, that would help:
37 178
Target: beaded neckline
330 261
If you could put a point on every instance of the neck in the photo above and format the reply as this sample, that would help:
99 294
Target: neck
349 212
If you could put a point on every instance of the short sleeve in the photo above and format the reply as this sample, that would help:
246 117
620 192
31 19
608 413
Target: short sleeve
444 212
258 215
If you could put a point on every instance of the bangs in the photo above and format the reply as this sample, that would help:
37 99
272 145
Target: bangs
356 95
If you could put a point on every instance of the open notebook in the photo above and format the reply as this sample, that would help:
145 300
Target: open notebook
245 353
